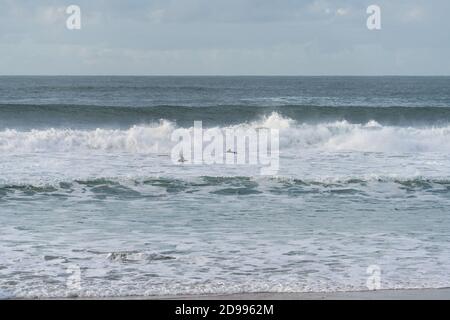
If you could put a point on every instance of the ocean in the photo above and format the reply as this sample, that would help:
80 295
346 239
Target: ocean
91 204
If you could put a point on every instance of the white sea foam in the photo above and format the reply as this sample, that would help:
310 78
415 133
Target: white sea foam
153 138
5 295
336 213
135 139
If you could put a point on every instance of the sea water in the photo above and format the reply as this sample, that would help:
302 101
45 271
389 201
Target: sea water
92 205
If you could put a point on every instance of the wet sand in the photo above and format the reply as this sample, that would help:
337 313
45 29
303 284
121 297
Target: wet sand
413 294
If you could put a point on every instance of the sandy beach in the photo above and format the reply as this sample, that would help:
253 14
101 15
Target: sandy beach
414 294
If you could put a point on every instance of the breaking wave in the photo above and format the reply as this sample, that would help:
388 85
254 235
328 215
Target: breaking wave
155 137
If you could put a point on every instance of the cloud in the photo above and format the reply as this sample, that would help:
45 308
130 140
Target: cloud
320 7
414 14
342 12
224 37
51 14
157 16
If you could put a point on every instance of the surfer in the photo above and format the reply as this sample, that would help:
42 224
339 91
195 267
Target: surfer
233 152
182 159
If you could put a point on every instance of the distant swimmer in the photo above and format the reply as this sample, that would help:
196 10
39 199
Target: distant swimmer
233 152
182 159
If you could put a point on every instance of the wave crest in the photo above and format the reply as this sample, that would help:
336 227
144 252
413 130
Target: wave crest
294 135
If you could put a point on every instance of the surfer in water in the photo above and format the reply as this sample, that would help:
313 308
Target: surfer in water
233 152
182 159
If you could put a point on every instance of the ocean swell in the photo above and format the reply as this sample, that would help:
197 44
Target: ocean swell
92 116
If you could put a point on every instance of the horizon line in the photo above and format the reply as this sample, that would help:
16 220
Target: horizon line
216 75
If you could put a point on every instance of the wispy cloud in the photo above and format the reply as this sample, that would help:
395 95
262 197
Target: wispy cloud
224 37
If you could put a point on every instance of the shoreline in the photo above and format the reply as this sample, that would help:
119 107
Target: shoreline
388 294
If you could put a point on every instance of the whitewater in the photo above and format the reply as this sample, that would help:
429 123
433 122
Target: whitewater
156 137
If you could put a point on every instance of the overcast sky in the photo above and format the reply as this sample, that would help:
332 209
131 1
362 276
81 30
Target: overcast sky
230 37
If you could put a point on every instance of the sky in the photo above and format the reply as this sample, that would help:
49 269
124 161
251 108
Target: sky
225 37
